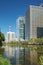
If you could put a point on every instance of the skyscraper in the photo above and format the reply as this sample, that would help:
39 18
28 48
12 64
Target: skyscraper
34 22
20 28
10 35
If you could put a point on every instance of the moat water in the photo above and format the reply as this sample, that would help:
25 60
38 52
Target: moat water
21 56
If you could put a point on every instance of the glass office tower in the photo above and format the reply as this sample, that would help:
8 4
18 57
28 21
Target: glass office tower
20 28
34 22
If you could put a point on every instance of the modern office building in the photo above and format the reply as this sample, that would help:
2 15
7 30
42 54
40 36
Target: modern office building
20 28
10 35
34 22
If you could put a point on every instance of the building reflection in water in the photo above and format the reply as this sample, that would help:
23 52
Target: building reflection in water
21 56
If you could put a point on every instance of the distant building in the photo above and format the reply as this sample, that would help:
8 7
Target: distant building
10 35
20 28
34 22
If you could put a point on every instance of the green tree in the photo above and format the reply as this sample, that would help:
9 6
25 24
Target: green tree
2 38
41 60
4 61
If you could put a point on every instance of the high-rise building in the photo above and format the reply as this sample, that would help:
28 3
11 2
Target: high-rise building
34 22
10 35
20 28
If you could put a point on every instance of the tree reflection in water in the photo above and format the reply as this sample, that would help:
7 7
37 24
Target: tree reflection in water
21 56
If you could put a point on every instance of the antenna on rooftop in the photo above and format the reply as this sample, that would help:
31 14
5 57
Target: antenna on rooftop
9 28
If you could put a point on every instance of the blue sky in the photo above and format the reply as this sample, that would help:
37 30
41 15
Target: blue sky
10 10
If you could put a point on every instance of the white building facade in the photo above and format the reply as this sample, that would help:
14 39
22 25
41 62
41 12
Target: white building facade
10 36
20 28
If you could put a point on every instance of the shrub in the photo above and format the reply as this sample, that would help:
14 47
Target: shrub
4 61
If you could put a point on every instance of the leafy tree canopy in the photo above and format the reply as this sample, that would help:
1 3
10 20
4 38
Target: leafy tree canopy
4 61
2 38
41 60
